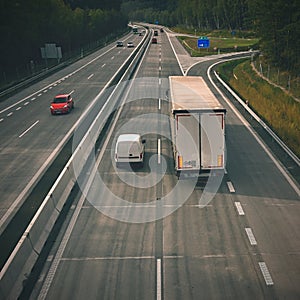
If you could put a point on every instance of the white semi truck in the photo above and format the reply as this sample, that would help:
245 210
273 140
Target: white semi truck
197 127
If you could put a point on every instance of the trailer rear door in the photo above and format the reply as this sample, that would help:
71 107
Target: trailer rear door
187 141
212 141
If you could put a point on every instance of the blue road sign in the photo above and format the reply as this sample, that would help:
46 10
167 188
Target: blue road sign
203 42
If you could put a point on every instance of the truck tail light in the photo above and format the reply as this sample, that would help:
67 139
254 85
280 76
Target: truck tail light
180 161
220 160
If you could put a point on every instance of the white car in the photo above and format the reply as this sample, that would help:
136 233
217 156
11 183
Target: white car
129 148
130 45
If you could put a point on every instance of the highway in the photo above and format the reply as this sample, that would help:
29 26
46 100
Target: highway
31 138
141 233
26 122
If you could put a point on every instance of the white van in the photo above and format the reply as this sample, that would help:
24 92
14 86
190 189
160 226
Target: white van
129 149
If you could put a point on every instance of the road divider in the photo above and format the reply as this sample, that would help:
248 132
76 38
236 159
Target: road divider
21 261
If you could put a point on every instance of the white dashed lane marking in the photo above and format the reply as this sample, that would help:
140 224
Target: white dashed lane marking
266 273
158 279
28 129
230 187
251 237
239 208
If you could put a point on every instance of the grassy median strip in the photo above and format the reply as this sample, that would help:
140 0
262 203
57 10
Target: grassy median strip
277 108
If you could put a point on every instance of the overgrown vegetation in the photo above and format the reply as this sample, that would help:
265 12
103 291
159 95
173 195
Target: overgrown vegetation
284 79
278 109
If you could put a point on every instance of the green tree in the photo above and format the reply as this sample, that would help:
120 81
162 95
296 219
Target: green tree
278 23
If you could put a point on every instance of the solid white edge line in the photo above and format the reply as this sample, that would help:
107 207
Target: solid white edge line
57 81
51 273
260 121
62 142
177 58
158 279
251 130
29 128
106 258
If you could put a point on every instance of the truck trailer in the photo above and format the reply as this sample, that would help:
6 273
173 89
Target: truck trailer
197 127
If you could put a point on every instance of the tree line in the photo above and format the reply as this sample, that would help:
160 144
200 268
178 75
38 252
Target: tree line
276 22
26 25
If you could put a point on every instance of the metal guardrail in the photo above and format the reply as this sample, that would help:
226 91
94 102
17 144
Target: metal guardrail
295 158
47 71
27 250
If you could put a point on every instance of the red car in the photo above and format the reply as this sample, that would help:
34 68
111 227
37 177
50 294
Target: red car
61 104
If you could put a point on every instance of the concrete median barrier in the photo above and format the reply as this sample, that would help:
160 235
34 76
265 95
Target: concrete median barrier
21 261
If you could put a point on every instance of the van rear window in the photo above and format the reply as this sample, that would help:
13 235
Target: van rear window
128 148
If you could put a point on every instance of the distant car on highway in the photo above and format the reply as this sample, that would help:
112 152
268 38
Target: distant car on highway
61 104
120 44
130 45
154 40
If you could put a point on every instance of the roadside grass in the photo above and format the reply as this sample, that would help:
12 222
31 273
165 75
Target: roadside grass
279 110
215 33
282 78
218 45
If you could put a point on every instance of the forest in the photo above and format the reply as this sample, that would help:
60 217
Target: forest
275 22
26 25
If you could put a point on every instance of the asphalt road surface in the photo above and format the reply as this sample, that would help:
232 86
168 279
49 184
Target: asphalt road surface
139 233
